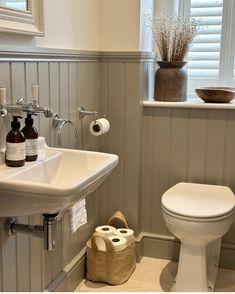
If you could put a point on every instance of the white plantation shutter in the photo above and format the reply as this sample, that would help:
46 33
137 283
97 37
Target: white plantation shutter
211 57
204 55
205 52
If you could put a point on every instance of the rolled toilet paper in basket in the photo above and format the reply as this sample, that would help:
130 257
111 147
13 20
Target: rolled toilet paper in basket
126 233
119 242
99 127
106 230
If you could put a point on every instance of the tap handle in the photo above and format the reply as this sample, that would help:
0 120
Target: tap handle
35 93
2 96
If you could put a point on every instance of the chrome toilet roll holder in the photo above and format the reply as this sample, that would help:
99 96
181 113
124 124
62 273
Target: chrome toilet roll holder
82 112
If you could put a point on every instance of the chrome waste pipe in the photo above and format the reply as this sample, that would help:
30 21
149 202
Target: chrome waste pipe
48 231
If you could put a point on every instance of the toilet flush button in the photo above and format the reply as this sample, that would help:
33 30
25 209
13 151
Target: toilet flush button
199 200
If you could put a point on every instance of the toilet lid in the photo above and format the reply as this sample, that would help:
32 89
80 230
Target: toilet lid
198 200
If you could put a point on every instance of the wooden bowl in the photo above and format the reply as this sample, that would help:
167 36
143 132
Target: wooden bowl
216 94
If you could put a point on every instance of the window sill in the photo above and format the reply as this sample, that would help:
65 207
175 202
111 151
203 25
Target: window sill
190 103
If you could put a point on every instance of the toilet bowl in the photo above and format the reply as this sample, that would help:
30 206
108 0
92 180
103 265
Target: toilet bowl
199 216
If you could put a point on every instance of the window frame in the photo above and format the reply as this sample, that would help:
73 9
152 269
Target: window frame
227 46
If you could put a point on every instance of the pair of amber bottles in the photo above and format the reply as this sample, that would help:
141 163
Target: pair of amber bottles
21 145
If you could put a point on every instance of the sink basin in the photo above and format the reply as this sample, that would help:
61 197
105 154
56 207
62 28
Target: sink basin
53 184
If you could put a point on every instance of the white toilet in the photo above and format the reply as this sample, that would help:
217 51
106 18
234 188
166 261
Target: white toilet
199 216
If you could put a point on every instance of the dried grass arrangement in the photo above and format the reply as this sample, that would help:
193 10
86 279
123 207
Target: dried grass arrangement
173 35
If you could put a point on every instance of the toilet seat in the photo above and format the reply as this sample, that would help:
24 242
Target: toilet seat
196 219
199 201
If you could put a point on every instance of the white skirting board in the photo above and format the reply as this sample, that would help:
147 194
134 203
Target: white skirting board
71 276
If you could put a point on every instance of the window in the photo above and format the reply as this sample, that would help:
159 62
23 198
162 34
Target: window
211 57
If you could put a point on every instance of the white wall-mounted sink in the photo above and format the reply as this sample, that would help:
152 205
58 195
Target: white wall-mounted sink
64 177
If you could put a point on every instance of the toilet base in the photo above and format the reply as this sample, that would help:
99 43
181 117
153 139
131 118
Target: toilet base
197 268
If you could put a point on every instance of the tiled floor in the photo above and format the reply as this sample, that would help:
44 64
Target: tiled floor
155 275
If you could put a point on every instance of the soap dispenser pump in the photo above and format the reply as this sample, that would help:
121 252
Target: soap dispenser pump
31 138
15 145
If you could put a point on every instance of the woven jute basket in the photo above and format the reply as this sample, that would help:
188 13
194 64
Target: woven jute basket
110 266
118 220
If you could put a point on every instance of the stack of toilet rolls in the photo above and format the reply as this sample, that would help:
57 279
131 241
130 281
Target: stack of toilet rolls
120 238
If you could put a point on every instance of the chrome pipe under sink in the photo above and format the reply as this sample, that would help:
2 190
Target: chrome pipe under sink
48 231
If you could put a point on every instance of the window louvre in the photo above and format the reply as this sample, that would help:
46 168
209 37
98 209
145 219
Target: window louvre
204 55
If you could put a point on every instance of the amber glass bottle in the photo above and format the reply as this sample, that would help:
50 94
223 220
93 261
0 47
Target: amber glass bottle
15 145
31 138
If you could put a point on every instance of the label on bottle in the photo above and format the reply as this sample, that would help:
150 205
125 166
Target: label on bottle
31 147
15 151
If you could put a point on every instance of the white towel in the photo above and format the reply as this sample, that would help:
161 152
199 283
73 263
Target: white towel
77 215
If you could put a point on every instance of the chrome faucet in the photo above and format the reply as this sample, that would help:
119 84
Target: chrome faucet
23 105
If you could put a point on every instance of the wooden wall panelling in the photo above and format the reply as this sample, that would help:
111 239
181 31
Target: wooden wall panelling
132 148
88 97
64 101
198 126
116 136
9 261
147 169
57 258
66 240
84 79
73 103
18 81
143 92
161 160
103 210
215 147
44 99
93 103
179 146
229 164
36 258
54 82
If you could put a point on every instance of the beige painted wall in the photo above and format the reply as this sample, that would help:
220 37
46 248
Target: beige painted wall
100 25
119 25
73 26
